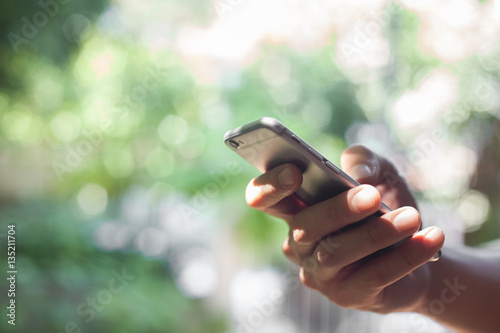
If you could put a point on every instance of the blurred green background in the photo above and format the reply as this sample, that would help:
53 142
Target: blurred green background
129 210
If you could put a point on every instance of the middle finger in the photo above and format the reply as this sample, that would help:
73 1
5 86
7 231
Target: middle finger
310 225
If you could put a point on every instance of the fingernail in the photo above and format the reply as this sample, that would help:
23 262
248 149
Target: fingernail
361 171
407 219
298 235
434 236
286 178
364 199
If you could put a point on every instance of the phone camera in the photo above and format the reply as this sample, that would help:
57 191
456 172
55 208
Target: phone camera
234 144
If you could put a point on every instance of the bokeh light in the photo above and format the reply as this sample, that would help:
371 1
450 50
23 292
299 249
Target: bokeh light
92 199
160 163
119 163
111 124
197 273
173 130
22 126
474 208
113 235
65 126
151 242
421 108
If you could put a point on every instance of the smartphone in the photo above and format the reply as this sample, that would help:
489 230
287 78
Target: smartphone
266 143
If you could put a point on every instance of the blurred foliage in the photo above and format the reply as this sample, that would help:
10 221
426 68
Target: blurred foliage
80 105
60 269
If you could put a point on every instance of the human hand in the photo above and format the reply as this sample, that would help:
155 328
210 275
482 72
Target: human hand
340 262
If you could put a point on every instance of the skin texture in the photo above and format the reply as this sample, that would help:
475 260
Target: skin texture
338 244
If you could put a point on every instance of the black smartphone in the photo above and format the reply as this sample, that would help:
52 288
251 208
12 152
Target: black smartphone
266 143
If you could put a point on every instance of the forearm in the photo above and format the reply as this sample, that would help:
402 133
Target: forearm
465 290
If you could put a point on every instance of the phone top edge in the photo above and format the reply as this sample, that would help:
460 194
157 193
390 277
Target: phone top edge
267 122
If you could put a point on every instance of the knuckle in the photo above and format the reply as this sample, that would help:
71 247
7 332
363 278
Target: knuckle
285 247
407 260
307 279
326 282
299 233
336 212
375 277
309 265
373 234
289 253
329 251
302 237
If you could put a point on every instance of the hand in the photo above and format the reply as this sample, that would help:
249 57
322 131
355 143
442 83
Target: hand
342 262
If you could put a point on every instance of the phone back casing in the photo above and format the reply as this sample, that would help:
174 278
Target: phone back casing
267 143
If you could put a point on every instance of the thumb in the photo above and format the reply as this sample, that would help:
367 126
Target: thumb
367 167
